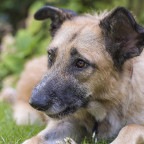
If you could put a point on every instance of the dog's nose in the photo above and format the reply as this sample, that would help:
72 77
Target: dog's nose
40 99
38 105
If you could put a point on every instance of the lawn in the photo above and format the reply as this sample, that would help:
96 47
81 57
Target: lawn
10 133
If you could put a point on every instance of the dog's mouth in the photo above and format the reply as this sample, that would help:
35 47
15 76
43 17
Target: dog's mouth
69 110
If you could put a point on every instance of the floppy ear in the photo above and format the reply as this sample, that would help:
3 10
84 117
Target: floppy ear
57 16
123 37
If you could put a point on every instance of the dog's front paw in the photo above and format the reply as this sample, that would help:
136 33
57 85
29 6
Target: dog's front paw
27 142
24 114
66 141
34 140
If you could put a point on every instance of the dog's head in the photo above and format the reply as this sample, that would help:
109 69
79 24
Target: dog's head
84 57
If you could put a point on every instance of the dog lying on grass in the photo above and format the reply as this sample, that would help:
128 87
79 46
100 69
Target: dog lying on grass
95 78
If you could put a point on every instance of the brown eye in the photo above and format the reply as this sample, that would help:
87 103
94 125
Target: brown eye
50 57
80 64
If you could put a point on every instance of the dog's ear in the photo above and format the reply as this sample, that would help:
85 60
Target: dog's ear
57 16
123 37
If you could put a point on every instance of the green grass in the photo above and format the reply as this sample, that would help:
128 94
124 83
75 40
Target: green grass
10 133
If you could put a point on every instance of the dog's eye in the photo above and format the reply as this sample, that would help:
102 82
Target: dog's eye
50 57
80 64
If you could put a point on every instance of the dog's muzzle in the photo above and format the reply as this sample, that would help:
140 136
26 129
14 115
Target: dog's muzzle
58 97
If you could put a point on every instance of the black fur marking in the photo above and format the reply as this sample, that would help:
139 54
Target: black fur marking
73 52
124 38
57 16
95 128
73 37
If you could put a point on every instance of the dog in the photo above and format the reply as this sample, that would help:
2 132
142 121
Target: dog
95 80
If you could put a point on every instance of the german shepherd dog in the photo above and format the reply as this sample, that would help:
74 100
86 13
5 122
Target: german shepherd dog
95 77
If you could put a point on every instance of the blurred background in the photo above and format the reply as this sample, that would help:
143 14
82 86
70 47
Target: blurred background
22 38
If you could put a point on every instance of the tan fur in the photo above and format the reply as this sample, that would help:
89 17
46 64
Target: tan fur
118 97
23 112
132 134
35 140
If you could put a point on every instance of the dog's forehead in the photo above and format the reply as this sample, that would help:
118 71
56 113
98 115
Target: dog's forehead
81 32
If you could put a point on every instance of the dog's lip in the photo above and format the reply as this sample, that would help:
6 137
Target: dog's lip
67 111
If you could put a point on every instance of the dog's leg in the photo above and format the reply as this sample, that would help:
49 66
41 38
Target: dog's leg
23 113
67 141
130 134
35 140
40 140
59 130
